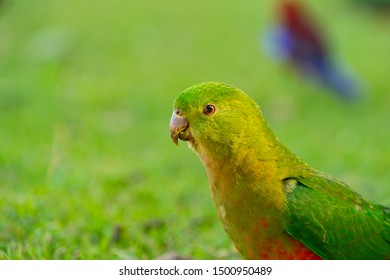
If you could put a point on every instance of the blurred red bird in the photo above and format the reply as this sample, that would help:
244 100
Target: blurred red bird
298 40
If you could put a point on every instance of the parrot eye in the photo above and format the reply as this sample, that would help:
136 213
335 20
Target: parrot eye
209 109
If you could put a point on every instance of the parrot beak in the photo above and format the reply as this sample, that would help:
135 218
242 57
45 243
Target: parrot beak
178 127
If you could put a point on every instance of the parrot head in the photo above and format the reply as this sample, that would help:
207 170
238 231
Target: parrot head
215 117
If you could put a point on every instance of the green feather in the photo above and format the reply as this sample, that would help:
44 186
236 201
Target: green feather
335 222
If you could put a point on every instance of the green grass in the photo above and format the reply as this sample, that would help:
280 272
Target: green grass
87 167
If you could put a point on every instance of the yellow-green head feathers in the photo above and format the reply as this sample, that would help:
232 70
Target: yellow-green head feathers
219 116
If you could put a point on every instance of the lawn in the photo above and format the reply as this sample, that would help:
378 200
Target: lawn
87 166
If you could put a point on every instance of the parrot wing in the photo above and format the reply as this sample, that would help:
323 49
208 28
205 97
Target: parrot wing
335 222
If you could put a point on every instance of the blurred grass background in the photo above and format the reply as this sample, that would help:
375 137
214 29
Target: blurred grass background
87 167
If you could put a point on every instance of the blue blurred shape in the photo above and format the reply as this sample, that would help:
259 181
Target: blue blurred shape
297 40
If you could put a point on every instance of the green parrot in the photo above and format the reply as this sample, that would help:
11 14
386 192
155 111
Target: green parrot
271 203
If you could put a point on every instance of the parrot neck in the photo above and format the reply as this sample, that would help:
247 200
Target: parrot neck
256 165
258 156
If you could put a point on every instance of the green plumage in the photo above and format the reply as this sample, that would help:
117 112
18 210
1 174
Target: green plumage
272 204
335 222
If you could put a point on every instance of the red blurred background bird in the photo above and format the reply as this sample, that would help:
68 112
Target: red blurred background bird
299 40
